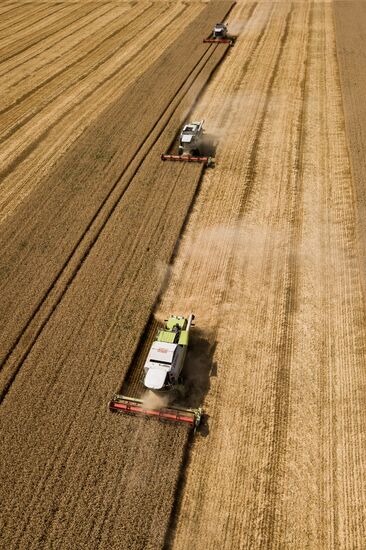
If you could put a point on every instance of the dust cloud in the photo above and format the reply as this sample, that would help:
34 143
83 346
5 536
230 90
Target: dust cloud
151 400
163 269
198 279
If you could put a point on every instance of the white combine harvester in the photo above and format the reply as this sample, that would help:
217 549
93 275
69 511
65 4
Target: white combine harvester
191 144
220 35
191 138
163 375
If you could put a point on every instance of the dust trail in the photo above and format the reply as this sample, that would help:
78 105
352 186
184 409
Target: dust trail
238 26
203 253
163 269
216 109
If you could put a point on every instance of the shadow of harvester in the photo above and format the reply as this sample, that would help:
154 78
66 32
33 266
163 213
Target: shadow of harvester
209 145
207 149
198 368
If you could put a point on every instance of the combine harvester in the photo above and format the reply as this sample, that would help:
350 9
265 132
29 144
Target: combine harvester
191 142
163 375
220 35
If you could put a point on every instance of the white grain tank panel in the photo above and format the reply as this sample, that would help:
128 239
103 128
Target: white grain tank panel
162 352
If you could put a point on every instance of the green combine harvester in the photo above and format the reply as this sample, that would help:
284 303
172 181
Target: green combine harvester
163 374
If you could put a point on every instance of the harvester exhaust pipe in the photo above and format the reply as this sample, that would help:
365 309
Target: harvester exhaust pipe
190 321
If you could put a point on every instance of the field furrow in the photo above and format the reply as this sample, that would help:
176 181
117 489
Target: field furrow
17 14
20 109
16 33
32 59
9 51
75 112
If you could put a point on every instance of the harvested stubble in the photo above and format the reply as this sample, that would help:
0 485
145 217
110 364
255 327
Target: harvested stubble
64 16
34 94
271 262
71 42
350 19
70 444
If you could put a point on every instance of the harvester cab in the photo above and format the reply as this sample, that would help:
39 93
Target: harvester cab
191 144
220 30
163 375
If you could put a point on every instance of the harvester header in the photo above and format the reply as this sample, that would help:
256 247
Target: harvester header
129 405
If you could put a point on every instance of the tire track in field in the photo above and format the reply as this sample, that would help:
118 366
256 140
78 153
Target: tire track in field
60 459
253 50
79 476
169 110
162 236
30 58
131 383
80 252
46 33
45 93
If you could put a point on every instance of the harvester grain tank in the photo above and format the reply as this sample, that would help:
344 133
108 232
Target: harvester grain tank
163 375
220 35
191 145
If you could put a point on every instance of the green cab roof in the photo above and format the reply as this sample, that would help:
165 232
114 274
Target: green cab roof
174 320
